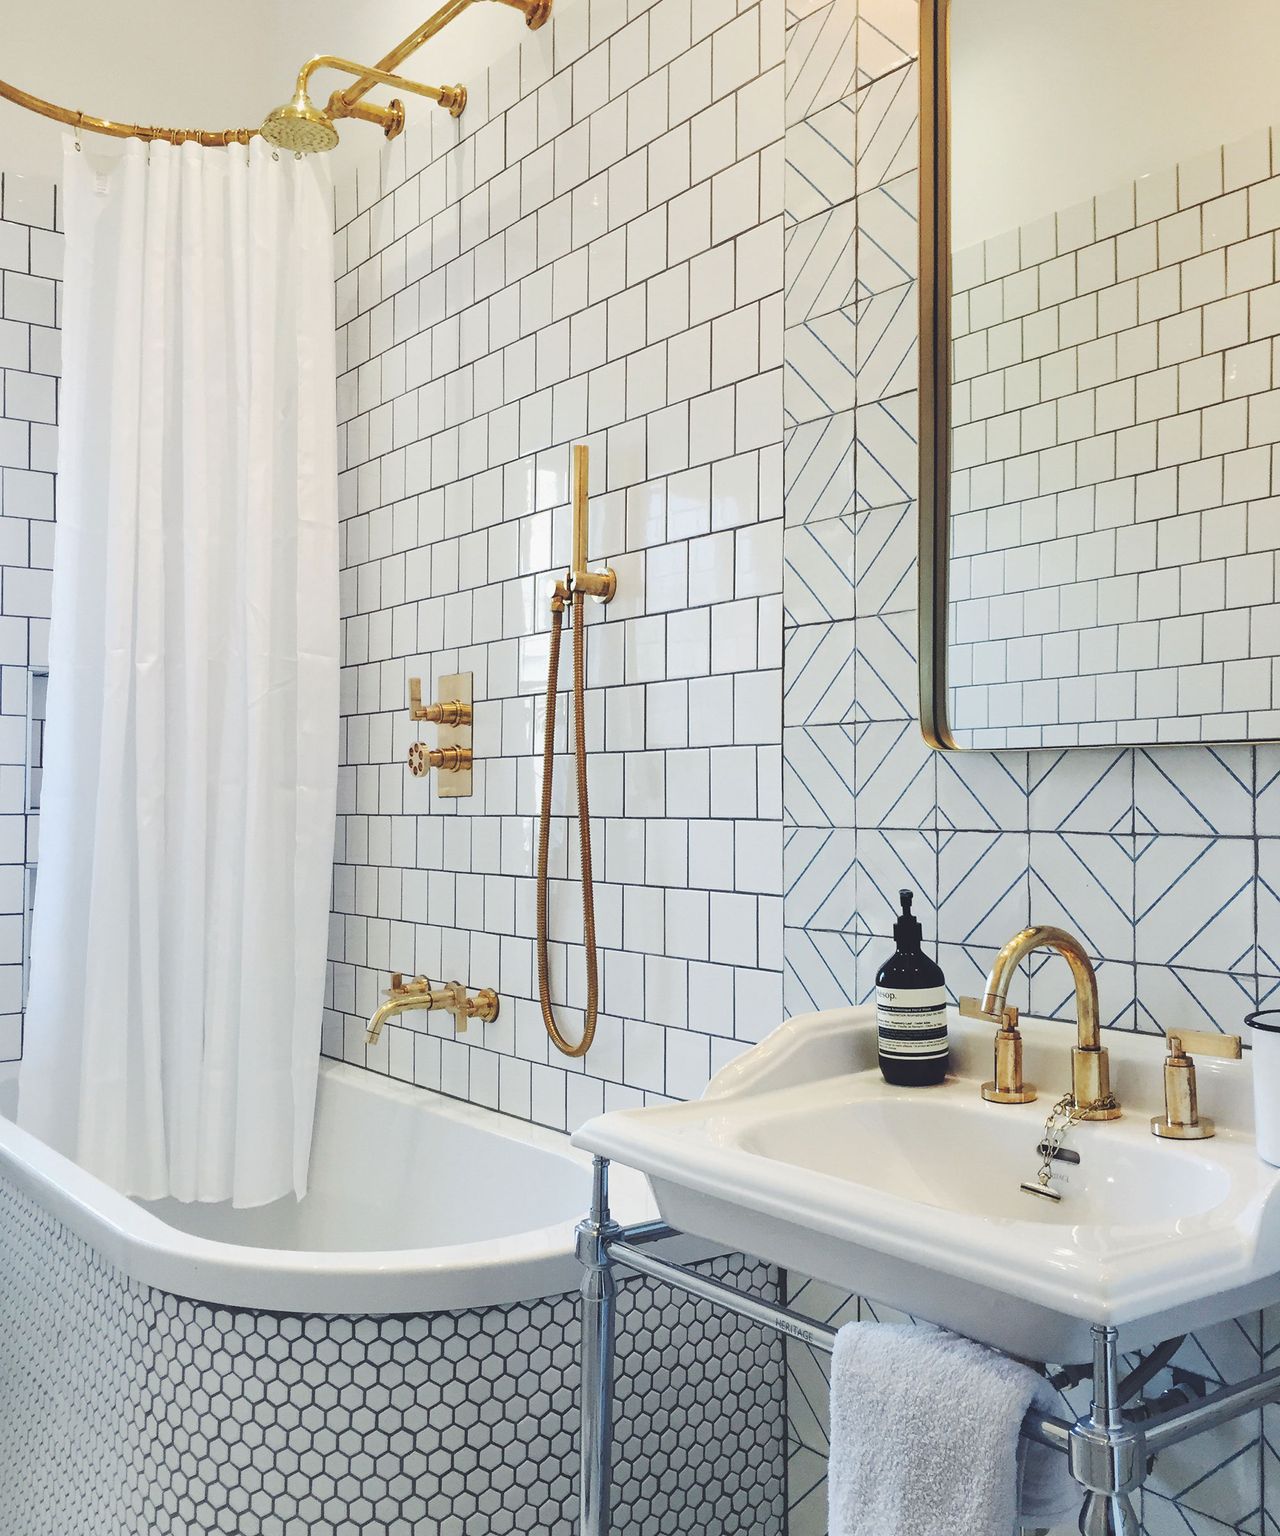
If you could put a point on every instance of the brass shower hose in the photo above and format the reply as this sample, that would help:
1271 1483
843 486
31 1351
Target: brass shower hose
584 822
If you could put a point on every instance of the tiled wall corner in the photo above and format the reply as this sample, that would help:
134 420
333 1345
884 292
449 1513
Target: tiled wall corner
593 252
30 313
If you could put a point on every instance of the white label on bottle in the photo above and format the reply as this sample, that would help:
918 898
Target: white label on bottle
912 1021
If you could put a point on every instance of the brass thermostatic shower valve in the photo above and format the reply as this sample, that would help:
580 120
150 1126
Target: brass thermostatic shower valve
410 996
1182 1120
602 585
452 715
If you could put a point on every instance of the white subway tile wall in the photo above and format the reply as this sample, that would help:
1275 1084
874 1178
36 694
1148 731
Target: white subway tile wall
592 253
30 297
1116 417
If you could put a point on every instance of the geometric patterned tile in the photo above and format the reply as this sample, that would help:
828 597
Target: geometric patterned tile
819 265
1205 791
820 877
1085 883
820 364
819 162
886 343
821 970
818 580
888 235
818 774
1172 997
1074 791
886 565
887 452
896 781
888 36
982 791
888 683
983 895
1194 903
888 114
818 665
818 469
820 60
888 861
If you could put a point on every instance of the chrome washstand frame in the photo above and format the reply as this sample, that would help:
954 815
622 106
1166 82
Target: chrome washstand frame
1108 1449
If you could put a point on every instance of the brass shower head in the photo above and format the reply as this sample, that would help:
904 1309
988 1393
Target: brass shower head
300 126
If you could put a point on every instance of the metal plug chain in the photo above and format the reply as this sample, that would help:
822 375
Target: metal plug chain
1064 1114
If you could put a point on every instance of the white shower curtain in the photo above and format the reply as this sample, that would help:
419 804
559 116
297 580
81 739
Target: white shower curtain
187 824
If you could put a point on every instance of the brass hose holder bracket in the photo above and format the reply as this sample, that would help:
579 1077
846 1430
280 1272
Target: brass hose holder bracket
452 714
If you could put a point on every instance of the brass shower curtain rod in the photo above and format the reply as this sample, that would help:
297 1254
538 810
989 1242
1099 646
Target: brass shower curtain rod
299 125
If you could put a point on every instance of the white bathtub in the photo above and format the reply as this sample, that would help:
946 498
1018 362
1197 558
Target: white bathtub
417 1203
398 1352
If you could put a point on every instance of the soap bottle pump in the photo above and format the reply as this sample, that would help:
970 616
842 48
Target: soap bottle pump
911 1008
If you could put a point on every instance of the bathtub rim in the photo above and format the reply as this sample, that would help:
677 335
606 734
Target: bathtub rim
498 1271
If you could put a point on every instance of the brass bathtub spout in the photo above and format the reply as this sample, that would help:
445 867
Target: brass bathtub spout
1090 1064
407 996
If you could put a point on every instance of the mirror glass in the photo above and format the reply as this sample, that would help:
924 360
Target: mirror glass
1114 480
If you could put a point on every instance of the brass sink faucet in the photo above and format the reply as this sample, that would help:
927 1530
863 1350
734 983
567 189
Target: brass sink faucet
405 996
1091 1094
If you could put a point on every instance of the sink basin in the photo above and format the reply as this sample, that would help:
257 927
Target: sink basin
890 1142
800 1153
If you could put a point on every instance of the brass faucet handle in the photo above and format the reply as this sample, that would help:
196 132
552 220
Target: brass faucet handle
1182 1120
402 988
972 1008
1200 1042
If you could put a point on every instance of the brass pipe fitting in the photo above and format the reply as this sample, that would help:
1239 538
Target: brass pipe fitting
410 996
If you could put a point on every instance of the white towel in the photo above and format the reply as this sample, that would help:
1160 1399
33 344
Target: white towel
925 1438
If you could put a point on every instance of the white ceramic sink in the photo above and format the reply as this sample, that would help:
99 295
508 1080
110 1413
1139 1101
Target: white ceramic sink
801 1154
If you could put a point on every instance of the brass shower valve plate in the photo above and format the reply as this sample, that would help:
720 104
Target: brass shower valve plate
452 716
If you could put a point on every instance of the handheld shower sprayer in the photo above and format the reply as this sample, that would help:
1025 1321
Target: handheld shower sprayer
572 590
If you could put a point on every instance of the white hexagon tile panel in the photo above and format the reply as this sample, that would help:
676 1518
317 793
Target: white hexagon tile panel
125 1411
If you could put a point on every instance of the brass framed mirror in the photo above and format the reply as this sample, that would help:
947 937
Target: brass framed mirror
1099 372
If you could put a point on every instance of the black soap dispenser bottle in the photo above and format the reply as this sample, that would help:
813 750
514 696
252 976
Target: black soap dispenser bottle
911 1009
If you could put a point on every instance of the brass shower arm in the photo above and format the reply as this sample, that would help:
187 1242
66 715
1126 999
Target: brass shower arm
452 97
340 103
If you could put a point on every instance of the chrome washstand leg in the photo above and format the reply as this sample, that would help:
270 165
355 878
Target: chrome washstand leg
598 1306
1107 1454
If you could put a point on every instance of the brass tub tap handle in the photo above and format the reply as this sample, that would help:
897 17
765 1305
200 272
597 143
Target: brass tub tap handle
1007 1086
1182 1120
